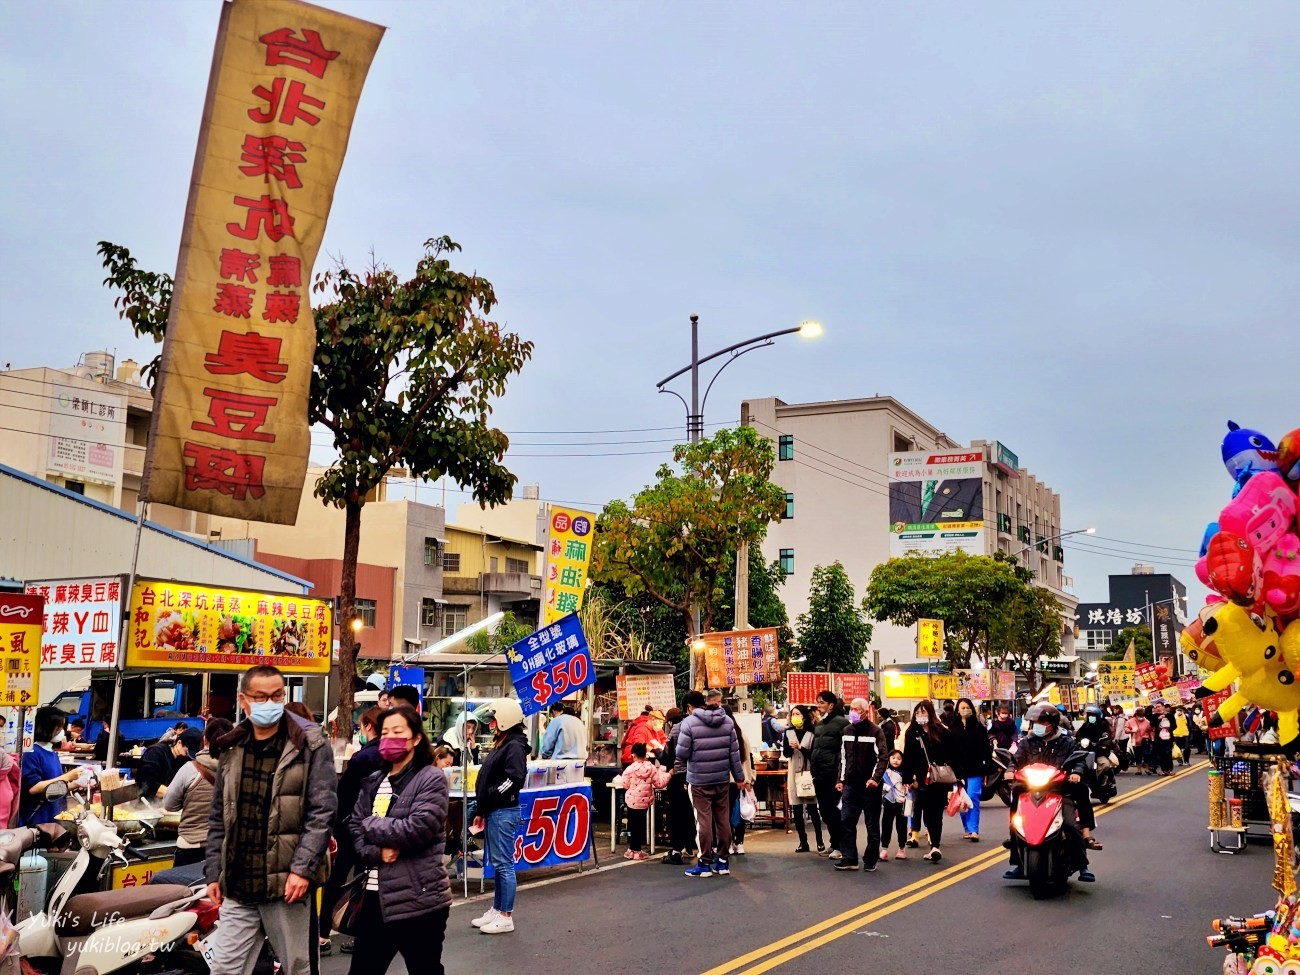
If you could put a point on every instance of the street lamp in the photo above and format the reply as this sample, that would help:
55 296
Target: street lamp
695 408
1056 538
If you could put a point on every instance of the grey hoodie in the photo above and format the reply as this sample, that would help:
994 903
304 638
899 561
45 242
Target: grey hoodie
707 748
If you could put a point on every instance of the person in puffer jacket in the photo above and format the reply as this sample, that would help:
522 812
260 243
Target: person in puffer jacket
640 779
709 753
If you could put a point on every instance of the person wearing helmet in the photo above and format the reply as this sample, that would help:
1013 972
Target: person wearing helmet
1048 744
500 778
1066 723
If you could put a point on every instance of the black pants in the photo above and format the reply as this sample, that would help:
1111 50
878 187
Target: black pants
828 803
796 812
934 805
341 871
184 857
681 815
740 824
1081 798
892 818
418 940
636 827
1162 754
857 801
1121 749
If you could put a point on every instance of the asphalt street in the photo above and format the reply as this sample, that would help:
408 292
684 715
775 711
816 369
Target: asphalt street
1159 884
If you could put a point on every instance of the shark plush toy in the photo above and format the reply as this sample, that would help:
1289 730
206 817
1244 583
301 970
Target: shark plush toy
1246 453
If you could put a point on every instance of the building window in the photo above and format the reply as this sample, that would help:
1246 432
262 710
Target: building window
365 609
787 561
428 612
76 487
430 551
789 506
450 561
1096 639
785 447
516 565
453 619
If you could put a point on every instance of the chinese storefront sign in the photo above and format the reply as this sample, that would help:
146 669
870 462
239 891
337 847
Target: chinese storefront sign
83 619
975 684
929 638
1005 681
1210 705
230 433
180 626
20 649
1116 677
914 687
635 691
568 554
87 430
741 657
803 688
550 664
936 502
943 687
849 686
139 874
1149 677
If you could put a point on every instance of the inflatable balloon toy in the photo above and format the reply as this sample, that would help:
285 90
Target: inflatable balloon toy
1197 644
1246 453
1262 512
1280 580
1288 458
1233 569
1254 657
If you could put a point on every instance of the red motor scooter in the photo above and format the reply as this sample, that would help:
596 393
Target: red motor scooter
1038 825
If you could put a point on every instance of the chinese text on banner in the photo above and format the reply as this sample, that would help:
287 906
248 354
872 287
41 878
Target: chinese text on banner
20 649
568 554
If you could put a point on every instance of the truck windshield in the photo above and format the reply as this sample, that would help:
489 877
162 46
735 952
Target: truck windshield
69 702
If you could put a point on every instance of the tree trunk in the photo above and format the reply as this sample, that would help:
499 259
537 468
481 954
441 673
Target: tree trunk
348 645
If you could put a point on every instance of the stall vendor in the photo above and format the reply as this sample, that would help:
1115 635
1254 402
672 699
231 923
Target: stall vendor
42 768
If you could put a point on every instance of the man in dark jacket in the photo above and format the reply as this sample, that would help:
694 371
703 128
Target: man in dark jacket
862 765
161 762
273 803
824 763
708 751
1003 730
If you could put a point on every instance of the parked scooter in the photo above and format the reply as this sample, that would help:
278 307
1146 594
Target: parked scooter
99 932
999 779
1038 824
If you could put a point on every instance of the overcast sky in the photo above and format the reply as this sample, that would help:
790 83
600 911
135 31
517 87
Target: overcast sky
1068 227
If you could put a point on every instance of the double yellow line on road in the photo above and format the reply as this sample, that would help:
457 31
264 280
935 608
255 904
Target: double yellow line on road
801 942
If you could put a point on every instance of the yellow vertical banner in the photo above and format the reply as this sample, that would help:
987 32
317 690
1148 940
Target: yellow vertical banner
229 433
22 618
929 638
568 556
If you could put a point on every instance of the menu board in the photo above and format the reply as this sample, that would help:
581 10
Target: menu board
182 626
736 657
1116 677
81 622
635 691
803 687
849 686
20 649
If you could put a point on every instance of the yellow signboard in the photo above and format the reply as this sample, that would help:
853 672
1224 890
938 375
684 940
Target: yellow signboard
230 433
929 638
21 625
914 687
181 626
139 874
1116 677
568 555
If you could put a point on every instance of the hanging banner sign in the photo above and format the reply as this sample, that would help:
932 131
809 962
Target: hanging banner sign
568 557
975 684
20 649
1116 677
1006 684
550 664
82 621
554 828
803 687
1210 705
181 626
635 691
735 657
849 686
929 638
229 433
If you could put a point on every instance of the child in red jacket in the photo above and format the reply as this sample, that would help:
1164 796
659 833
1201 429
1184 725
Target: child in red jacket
640 779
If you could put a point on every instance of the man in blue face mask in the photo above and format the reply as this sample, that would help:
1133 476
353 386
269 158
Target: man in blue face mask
273 803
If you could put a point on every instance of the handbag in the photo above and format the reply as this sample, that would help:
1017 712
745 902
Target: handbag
939 774
347 909
748 807
804 787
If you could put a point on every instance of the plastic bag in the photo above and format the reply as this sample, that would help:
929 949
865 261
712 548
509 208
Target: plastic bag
959 802
748 807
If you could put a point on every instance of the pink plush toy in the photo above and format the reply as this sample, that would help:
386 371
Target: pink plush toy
1281 579
1262 513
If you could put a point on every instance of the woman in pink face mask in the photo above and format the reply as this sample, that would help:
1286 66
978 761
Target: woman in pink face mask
398 826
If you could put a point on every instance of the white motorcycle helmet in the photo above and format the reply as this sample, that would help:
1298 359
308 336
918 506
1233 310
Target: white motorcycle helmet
506 712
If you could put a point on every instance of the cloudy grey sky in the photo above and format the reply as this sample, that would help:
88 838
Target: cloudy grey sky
1070 227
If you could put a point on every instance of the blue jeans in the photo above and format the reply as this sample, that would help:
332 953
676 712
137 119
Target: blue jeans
970 820
502 826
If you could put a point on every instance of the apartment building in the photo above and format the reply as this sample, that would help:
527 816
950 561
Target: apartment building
483 573
869 479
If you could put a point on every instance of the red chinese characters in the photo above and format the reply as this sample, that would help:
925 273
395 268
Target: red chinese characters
309 53
285 99
247 354
237 415
273 157
265 215
225 471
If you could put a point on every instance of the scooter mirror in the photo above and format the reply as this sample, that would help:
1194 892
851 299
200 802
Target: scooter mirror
56 790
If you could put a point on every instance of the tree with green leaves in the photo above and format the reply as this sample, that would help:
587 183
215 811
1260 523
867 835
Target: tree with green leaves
1024 633
766 608
1139 636
673 541
966 591
405 375
834 632
506 633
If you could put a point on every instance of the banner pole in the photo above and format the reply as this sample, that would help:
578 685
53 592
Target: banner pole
124 636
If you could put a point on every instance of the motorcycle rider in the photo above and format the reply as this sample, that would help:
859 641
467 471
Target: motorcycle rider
1048 744
1094 735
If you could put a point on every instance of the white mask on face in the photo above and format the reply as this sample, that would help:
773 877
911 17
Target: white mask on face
923 719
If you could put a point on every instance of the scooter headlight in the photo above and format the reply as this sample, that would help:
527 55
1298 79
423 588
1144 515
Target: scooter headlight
1038 776
1018 823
